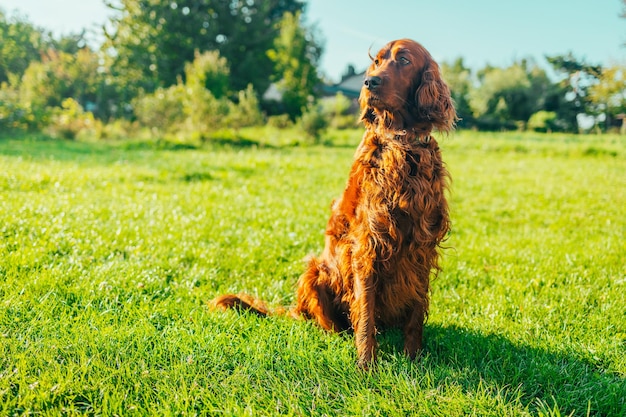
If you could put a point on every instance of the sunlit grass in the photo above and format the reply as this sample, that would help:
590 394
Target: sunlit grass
109 253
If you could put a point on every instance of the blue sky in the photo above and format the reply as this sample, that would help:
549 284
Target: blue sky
497 32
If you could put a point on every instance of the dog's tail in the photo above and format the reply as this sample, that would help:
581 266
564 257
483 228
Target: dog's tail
244 302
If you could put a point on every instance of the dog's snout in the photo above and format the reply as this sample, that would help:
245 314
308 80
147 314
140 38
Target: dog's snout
372 83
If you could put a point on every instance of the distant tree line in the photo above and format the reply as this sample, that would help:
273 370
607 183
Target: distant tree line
191 66
522 96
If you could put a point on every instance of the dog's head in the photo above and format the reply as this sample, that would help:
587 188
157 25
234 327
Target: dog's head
403 88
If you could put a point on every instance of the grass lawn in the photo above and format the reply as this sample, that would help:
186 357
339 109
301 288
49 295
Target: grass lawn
109 253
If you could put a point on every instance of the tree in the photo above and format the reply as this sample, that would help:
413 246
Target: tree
60 76
204 104
152 40
38 71
20 44
209 71
195 108
578 76
295 56
70 44
542 121
609 93
507 97
487 100
459 79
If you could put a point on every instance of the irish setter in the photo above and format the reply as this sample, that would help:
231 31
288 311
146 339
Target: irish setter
384 232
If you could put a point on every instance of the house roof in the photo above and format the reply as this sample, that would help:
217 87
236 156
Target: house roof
273 93
349 86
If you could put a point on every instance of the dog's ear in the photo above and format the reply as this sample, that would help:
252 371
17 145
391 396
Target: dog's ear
367 116
433 100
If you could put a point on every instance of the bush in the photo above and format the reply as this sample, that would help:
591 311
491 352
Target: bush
199 106
119 129
13 115
313 121
543 121
208 71
339 111
204 113
246 111
161 111
204 103
70 120
281 121
61 75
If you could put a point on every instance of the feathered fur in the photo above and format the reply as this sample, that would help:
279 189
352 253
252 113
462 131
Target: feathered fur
383 236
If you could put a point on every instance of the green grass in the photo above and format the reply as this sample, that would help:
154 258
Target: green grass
109 253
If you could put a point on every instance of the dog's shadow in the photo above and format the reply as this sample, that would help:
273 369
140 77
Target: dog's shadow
538 377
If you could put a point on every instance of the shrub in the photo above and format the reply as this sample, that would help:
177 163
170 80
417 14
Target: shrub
70 120
543 121
208 71
339 111
199 106
246 111
280 121
204 112
313 121
161 111
13 114
61 75
118 129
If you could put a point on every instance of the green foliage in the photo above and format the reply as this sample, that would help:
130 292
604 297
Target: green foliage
204 104
578 76
109 253
162 111
281 121
338 110
295 57
119 129
245 111
208 71
13 113
542 121
215 51
204 112
71 120
507 97
609 93
70 43
313 122
153 40
459 80
47 84
194 109
20 44
60 76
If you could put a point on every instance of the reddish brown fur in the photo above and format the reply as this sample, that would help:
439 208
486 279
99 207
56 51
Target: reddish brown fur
384 232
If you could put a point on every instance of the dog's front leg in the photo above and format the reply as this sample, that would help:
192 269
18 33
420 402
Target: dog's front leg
362 315
413 329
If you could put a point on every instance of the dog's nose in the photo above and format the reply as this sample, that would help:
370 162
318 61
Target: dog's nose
372 83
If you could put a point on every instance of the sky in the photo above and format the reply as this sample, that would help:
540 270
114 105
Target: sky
495 32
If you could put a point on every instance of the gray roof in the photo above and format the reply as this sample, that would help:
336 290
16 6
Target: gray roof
349 86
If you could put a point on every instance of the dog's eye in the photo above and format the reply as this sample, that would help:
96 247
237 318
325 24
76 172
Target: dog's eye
404 61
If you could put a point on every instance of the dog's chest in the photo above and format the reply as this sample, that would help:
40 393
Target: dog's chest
397 176
390 165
